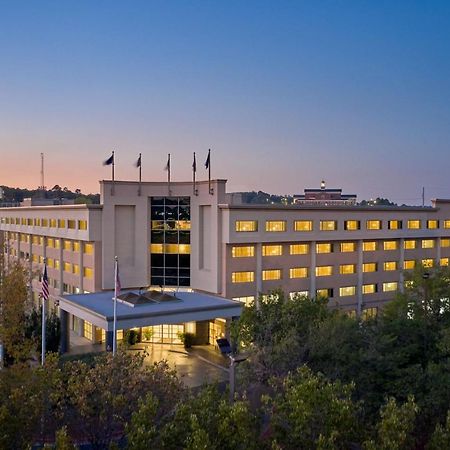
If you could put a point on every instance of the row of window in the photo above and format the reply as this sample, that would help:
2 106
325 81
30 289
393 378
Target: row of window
328 247
71 224
67 244
332 225
324 271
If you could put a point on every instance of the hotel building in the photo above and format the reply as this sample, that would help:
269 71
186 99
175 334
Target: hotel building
173 236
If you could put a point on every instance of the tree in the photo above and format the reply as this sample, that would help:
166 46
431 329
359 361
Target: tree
15 304
395 429
441 436
102 398
310 412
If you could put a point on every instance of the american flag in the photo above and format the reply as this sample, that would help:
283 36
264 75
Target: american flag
45 291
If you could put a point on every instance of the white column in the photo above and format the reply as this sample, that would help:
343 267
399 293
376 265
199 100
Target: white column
312 269
258 274
359 271
402 265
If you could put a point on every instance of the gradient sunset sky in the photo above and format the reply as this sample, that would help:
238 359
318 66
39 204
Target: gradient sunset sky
284 93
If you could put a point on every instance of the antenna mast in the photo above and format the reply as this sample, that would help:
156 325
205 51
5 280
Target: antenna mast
42 186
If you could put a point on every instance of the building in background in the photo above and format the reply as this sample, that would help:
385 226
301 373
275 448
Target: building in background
324 197
172 238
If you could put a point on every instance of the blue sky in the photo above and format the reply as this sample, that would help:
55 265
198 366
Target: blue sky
285 93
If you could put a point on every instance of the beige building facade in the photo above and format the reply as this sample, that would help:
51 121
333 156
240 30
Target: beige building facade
175 236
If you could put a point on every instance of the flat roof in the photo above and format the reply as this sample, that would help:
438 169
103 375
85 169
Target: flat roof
98 308
303 207
51 207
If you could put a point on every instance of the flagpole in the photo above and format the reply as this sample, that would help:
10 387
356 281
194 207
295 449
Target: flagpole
113 164
168 175
43 317
194 170
209 171
140 174
114 349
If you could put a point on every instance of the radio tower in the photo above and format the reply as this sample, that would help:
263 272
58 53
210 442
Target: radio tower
42 186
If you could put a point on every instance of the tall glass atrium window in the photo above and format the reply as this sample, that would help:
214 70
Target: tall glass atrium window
170 241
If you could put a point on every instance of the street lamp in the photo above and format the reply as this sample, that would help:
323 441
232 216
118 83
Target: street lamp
234 361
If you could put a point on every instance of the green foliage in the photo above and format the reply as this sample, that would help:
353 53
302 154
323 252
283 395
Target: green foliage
131 337
141 430
441 436
308 411
33 330
187 339
394 431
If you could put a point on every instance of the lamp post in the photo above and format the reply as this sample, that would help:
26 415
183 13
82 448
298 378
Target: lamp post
234 361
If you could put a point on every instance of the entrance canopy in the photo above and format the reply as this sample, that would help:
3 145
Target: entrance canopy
98 308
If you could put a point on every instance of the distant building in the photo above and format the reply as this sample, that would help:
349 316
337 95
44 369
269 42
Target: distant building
324 197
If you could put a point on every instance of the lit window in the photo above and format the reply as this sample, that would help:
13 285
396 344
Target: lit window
298 272
447 224
352 225
243 277
68 267
390 265
243 252
409 264
88 248
44 222
390 286
76 247
82 224
299 249
432 224
53 223
373 224
88 272
347 291
71 224
390 245
369 288
427 243
369 313
30 222
67 245
296 294
427 262
23 221
369 246
37 222
35 240
443 262
303 225
348 247
413 224
184 249
275 225
57 265
327 293
445 242
272 250
50 263
273 274
324 247
246 225
369 267
346 269
247 301
35 258
61 223
76 269
324 271
328 225
394 224
409 244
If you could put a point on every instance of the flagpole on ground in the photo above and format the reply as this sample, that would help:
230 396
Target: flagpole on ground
194 170
44 295
116 278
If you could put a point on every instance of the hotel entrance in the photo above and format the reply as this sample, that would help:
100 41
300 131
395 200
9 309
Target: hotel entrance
163 334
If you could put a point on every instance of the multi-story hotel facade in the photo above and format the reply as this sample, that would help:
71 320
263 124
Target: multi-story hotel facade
181 237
